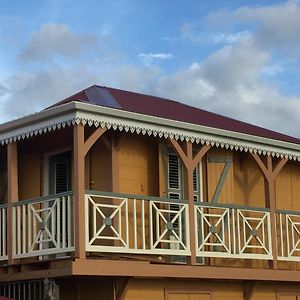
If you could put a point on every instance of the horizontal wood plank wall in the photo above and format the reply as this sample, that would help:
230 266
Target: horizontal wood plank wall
214 171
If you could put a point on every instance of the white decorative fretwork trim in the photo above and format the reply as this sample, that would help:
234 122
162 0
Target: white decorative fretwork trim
152 126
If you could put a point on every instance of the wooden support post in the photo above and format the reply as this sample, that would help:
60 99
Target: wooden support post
270 175
79 186
190 162
81 148
12 194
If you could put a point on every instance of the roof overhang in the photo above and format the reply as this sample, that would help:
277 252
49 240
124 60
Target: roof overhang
77 112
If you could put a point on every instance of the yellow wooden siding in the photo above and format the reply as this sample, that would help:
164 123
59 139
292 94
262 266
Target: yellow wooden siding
138 165
214 171
249 188
162 171
29 175
178 296
288 297
98 168
187 296
288 187
161 289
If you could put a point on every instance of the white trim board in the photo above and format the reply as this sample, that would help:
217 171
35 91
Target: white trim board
92 115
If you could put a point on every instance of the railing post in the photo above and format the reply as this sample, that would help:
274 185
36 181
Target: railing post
192 225
12 194
190 162
270 173
79 187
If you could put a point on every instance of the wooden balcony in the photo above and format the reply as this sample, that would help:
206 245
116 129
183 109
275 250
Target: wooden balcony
148 228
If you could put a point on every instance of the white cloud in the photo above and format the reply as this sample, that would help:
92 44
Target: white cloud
275 26
25 93
272 70
230 81
56 40
170 39
231 37
149 58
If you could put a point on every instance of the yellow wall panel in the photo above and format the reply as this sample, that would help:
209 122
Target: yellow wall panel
29 175
99 168
194 289
138 165
248 183
214 171
178 296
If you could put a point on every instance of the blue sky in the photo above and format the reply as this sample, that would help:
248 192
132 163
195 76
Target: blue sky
238 58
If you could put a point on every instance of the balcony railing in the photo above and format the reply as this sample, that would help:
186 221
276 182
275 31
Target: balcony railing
43 226
232 231
288 235
128 224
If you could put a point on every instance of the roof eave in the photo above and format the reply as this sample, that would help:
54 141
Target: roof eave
122 114
83 112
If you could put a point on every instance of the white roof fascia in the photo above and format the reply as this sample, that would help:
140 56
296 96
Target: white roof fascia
38 123
121 117
70 113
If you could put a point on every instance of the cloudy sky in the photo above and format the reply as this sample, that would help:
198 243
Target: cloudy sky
236 57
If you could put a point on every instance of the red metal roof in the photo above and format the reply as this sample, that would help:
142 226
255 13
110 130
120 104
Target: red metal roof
169 109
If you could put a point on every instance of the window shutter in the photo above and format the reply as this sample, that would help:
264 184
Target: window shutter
61 177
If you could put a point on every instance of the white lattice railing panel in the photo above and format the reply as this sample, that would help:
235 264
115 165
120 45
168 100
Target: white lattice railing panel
134 225
43 226
3 232
232 232
254 234
288 236
213 235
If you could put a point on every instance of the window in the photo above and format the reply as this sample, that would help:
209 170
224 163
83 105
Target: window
176 179
60 173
